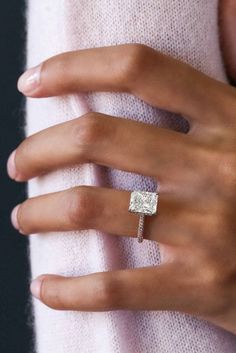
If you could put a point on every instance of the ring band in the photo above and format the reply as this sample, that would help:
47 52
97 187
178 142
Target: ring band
143 203
141 227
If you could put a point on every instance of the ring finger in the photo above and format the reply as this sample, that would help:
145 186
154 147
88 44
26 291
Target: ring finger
104 209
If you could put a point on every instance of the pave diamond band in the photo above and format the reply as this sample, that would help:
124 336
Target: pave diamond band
143 203
141 227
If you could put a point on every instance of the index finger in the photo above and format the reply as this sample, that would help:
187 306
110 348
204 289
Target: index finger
158 79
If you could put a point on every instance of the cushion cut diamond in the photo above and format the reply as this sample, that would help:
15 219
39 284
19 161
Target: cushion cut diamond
143 202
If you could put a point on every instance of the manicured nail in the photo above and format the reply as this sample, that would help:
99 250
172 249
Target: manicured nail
11 166
29 80
14 219
35 287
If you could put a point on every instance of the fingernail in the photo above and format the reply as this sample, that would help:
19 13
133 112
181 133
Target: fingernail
29 80
14 219
35 287
11 166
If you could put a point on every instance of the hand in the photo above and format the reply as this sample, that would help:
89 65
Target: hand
195 225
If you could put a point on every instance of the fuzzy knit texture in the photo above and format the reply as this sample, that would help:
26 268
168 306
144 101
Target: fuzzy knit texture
186 29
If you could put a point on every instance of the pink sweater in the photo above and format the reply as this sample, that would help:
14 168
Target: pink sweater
183 28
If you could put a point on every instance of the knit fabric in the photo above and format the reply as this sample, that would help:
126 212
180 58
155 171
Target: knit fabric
186 29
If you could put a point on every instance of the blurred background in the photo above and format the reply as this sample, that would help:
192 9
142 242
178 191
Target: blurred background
15 310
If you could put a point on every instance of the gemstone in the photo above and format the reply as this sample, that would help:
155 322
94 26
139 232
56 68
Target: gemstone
143 202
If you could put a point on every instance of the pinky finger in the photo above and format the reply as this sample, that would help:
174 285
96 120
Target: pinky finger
148 288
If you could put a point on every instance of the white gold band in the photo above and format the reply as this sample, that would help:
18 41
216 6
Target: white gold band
141 227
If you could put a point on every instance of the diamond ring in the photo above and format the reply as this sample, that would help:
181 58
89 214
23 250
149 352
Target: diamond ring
143 203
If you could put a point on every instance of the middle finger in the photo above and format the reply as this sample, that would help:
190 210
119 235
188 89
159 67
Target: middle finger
104 140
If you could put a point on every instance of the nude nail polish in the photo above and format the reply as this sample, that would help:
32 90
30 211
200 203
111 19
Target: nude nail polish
11 167
29 80
35 287
14 219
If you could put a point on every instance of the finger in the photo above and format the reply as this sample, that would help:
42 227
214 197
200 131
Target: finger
159 80
228 29
150 288
103 140
104 209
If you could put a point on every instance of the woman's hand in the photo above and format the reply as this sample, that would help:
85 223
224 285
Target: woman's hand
196 172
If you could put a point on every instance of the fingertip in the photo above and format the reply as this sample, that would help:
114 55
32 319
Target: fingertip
36 286
12 171
29 81
11 165
14 218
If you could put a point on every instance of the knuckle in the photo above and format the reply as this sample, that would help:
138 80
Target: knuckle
213 275
216 285
207 226
86 132
225 166
219 167
82 207
215 224
218 227
133 62
106 292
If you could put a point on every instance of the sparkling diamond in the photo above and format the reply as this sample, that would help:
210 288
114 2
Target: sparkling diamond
143 202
